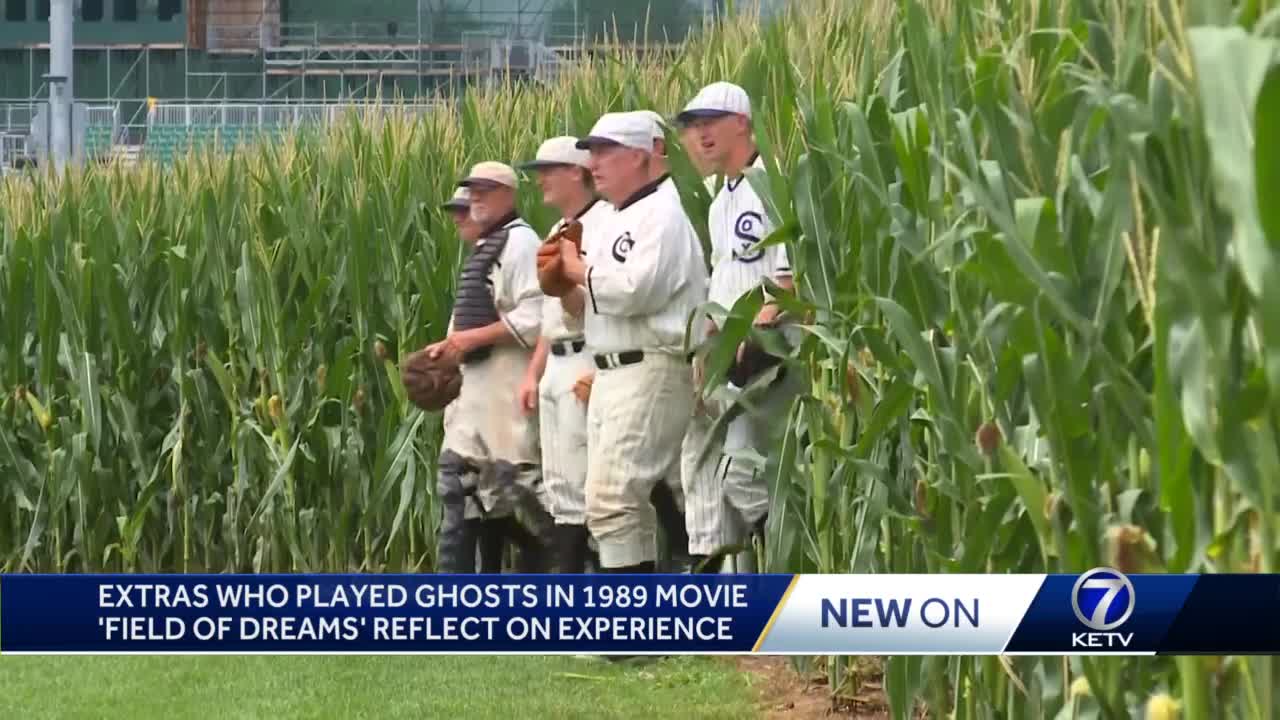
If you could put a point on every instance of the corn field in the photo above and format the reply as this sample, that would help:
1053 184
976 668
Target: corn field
1034 244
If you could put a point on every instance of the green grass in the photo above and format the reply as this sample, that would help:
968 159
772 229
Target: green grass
375 687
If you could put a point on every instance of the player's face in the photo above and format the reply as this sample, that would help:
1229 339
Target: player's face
559 183
617 171
717 137
460 216
469 230
693 147
488 203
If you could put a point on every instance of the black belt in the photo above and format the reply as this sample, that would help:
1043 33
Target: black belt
624 358
567 347
480 354
617 360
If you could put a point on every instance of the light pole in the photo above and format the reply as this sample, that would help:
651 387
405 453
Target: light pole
61 86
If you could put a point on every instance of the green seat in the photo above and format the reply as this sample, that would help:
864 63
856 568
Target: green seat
97 140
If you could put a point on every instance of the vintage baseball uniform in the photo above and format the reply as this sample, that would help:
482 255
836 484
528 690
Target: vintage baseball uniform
458 537
645 278
737 222
562 418
702 473
486 434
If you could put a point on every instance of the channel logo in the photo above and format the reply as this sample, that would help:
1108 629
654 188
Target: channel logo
1103 599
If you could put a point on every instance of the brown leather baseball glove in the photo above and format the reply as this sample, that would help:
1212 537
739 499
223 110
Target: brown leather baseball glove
582 388
753 361
430 384
551 277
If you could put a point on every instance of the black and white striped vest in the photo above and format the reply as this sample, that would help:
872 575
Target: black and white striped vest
473 305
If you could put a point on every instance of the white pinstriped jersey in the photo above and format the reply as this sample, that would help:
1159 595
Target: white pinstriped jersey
737 222
646 276
556 323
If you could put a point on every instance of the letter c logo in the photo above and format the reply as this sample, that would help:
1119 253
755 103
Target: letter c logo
622 247
748 228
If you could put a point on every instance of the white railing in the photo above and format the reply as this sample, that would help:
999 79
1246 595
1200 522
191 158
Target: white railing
274 114
102 115
18 116
12 148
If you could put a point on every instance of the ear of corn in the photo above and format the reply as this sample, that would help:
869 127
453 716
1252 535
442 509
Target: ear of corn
1035 243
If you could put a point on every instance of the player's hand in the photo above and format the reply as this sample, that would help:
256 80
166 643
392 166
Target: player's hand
571 261
582 388
768 314
527 396
699 378
452 348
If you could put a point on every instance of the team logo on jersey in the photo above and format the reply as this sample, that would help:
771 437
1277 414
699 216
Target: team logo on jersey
622 247
748 228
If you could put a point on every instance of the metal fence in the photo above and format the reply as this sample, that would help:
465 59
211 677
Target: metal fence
434 28
103 115
17 116
242 114
13 149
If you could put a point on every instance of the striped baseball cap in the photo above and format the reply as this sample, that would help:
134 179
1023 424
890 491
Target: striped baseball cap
717 100
629 129
659 123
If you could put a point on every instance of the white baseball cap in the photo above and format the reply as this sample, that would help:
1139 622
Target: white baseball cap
659 123
717 100
629 129
556 152
461 200
490 174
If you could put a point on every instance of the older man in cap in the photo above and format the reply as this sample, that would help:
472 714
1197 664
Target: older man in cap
719 119
459 209
459 534
554 383
642 284
489 467
688 502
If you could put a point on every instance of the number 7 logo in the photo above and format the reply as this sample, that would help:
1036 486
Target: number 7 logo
1093 614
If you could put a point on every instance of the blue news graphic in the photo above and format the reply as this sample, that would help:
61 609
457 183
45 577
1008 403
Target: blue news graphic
1152 614
1226 614
1101 611
1098 612
386 613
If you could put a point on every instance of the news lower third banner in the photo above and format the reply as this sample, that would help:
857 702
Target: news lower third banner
1101 611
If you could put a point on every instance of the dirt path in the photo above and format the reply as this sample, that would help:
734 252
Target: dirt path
784 693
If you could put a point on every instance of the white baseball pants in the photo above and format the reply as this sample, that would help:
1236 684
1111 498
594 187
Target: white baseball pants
636 424
563 432
486 427
703 483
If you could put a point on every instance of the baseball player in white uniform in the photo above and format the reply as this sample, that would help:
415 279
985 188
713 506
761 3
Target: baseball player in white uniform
643 281
561 359
719 117
667 497
459 534
671 498
489 460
